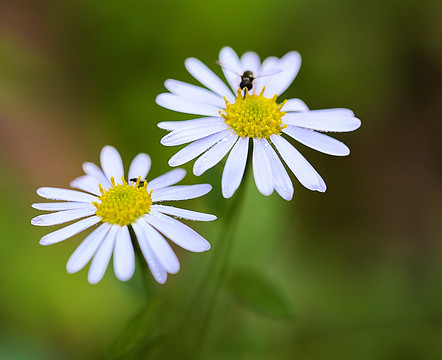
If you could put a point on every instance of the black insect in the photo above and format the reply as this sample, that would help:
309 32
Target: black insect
247 80
141 181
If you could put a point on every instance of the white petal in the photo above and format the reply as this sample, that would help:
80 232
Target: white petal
180 234
161 248
278 83
262 171
184 105
196 148
231 67
157 270
61 217
167 179
251 62
270 67
195 93
102 256
86 250
215 154
234 169
339 120
94 171
183 213
179 137
302 169
140 166
189 124
317 141
65 194
86 183
69 231
295 105
59 206
281 180
169 125
112 164
180 192
207 77
124 256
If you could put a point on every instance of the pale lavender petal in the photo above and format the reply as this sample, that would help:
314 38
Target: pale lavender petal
102 256
181 192
161 248
231 67
157 270
302 169
69 231
215 154
234 168
169 125
196 148
317 141
295 105
251 62
207 77
124 256
86 183
59 206
189 124
281 180
140 166
179 137
270 67
262 171
94 171
194 93
183 213
65 194
278 83
167 179
180 234
187 106
112 164
86 250
339 120
61 217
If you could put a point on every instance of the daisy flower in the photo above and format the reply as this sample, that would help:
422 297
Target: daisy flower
117 206
234 118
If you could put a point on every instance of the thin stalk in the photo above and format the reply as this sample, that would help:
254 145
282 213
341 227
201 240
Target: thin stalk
231 221
143 264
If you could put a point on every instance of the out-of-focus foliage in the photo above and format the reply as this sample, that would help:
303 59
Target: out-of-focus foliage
360 264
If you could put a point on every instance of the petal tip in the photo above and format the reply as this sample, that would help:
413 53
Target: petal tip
38 221
43 242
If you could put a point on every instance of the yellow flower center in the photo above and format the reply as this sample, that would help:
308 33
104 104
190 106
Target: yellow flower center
254 115
123 204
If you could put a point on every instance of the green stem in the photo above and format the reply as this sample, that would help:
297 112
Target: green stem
231 222
143 264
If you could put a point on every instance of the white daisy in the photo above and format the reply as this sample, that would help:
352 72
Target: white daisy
117 205
234 119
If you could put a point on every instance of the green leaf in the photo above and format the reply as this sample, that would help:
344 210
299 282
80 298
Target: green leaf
139 334
259 293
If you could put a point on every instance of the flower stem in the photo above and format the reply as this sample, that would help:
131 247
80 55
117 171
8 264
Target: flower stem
143 265
225 249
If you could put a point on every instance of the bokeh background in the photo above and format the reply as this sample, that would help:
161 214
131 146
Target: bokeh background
360 265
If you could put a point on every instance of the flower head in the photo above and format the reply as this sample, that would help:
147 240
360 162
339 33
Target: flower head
117 205
251 112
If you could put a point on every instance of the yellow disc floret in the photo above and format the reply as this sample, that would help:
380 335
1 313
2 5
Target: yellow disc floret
254 115
123 204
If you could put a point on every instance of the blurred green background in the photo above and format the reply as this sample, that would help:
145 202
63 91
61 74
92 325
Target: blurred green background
361 265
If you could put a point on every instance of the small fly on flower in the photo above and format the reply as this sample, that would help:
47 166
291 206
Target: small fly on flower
142 181
247 77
